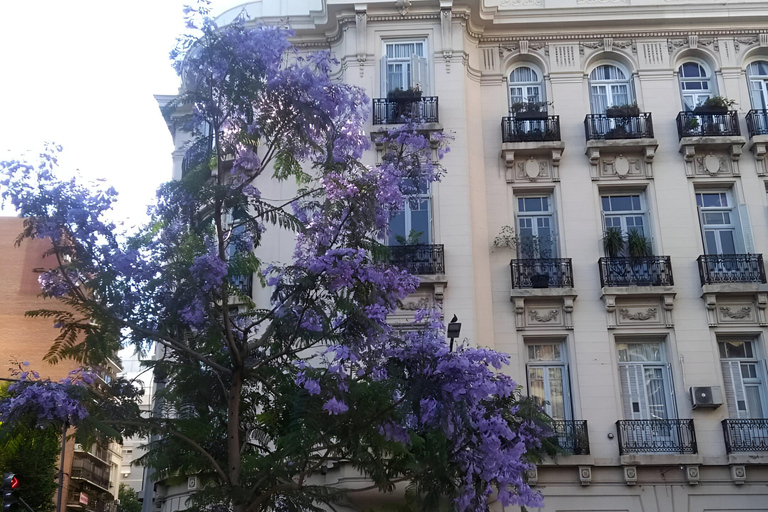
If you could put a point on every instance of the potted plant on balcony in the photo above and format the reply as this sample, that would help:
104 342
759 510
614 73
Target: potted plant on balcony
404 100
580 442
715 105
638 246
626 110
529 110
691 124
529 247
613 242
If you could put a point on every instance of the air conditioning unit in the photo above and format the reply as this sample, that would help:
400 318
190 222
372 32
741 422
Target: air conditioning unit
709 397
192 483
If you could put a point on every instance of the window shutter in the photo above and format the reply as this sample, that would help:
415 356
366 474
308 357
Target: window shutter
756 94
701 229
633 391
670 383
567 399
746 229
383 77
419 74
735 395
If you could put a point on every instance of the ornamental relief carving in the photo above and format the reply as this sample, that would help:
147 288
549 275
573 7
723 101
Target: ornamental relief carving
739 314
535 316
533 170
723 309
711 165
622 167
641 316
415 305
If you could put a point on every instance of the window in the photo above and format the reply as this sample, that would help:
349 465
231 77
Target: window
525 86
725 226
548 379
695 84
744 379
627 213
536 227
645 381
757 74
609 86
404 66
413 224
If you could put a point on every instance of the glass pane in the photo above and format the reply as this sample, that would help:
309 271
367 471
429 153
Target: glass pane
536 383
397 227
621 203
712 200
710 242
726 242
754 404
639 352
715 218
654 389
736 349
556 398
550 352
420 224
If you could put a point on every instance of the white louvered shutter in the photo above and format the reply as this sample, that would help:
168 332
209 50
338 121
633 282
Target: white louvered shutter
383 77
746 229
420 74
735 396
633 392
756 94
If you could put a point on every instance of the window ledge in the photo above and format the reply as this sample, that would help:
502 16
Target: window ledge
430 127
567 460
659 459
637 291
542 292
733 288
621 144
748 458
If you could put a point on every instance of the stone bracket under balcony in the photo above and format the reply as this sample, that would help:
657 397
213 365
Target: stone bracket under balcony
710 156
621 159
543 308
736 304
638 306
532 161
760 148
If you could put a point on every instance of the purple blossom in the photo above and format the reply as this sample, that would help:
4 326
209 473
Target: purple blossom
335 407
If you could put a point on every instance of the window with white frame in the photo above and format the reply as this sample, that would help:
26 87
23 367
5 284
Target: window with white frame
695 84
646 384
413 223
525 86
744 378
548 378
725 226
626 213
757 75
609 86
404 66
536 227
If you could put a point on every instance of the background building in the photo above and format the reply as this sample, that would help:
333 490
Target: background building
635 300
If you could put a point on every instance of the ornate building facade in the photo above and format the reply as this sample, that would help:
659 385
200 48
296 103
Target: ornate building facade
618 148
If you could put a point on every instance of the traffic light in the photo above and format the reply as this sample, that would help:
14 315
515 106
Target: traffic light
10 486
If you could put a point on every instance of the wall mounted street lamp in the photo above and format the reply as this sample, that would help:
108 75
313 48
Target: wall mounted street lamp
454 329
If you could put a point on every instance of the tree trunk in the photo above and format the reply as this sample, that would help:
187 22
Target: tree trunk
233 438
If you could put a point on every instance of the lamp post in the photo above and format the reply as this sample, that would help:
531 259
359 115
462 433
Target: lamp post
454 329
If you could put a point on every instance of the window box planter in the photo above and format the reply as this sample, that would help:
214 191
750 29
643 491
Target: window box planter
710 109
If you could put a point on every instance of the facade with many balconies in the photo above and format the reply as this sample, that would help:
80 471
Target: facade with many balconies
631 291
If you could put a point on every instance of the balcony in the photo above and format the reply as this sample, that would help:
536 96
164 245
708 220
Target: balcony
746 435
244 284
542 273
605 127
643 271
96 474
572 436
656 436
757 125
419 259
197 155
693 124
516 129
401 110
731 268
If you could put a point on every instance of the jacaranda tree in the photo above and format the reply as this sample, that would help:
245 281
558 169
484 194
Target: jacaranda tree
261 399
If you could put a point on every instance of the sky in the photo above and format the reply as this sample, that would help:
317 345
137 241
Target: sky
83 74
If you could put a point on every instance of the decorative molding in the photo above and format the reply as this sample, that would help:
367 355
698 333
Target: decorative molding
632 35
739 474
533 475
585 475
415 305
738 314
550 316
640 315
403 6
692 474
521 3
445 32
630 475
361 24
744 40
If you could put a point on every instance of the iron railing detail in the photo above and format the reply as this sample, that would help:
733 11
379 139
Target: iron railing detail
643 271
402 110
419 259
542 273
746 435
86 470
656 436
514 129
199 153
757 122
731 268
605 127
692 124
571 435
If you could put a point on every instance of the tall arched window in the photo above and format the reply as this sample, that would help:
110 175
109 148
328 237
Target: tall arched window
525 86
695 84
757 74
609 86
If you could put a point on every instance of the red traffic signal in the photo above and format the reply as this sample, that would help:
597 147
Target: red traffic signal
10 482
14 482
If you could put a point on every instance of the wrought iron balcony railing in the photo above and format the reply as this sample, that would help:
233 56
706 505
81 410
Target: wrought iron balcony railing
645 271
656 436
572 436
604 127
692 124
746 435
419 259
87 470
244 284
402 110
757 122
515 129
731 268
197 154
542 273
